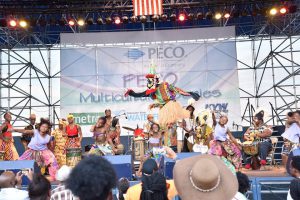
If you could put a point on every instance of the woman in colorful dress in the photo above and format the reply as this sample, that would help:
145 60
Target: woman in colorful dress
73 131
7 146
224 143
101 146
59 143
37 148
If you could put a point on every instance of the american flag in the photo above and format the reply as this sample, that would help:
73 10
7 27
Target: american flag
147 7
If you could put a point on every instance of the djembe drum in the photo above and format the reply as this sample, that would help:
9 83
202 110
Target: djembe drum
73 156
252 149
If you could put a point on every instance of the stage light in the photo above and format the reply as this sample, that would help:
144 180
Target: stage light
133 19
108 20
209 15
80 22
117 20
181 17
200 16
191 16
218 16
23 23
143 19
173 17
164 17
155 18
273 11
99 21
125 19
12 23
90 21
283 10
227 15
71 22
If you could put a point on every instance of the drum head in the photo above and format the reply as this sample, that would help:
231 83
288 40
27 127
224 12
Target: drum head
293 153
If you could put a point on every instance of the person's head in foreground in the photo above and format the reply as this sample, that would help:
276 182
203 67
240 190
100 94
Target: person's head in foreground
295 189
63 174
244 183
204 177
39 188
93 178
7 180
295 166
154 185
123 185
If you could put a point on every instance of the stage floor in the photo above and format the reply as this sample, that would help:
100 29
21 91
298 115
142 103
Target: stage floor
278 171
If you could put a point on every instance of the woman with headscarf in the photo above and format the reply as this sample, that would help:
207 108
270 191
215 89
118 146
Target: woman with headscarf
60 142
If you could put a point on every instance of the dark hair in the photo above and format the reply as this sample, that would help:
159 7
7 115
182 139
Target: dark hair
244 183
107 110
290 114
296 162
154 187
44 121
92 178
295 189
260 115
123 186
103 118
151 127
39 188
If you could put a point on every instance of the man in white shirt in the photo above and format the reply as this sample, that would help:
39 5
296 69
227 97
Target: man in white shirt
9 184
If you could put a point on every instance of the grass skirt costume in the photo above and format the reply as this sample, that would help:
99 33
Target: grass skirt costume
7 144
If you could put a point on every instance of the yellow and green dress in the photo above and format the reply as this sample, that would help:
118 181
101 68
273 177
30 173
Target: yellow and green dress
59 149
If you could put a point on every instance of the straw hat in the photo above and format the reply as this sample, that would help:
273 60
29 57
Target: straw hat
204 177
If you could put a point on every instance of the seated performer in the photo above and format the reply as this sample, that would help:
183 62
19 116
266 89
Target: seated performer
150 121
73 133
101 146
60 142
6 140
224 143
261 133
37 148
164 95
113 132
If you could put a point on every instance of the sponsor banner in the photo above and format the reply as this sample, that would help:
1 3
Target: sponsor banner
96 78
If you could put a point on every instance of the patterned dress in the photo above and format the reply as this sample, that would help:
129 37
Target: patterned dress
59 149
7 146
38 151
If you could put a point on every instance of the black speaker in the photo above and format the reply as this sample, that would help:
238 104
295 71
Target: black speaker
169 163
122 165
19 165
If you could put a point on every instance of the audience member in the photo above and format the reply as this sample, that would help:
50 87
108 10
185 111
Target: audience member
39 188
294 190
154 187
150 169
9 182
244 186
92 178
123 186
204 177
294 186
60 192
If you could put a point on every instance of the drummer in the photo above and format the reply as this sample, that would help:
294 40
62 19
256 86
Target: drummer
101 146
224 143
261 133
148 123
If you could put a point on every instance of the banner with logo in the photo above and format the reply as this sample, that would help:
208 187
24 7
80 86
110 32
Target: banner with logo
95 78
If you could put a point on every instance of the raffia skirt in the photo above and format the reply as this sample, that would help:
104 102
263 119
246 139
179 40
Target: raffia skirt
171 112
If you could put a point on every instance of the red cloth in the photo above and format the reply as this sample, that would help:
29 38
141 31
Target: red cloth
7 134
73 131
